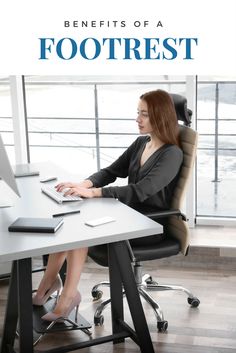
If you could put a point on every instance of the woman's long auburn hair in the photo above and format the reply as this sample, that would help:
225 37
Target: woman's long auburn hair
162 115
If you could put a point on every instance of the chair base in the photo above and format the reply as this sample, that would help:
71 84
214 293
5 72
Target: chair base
144 283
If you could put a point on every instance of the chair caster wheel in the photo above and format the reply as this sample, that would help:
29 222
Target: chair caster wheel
149 280
194 302
98 321
162 326
97 294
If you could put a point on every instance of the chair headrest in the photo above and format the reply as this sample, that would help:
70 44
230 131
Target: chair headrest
183 113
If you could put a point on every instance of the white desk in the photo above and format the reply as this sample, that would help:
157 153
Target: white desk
21 247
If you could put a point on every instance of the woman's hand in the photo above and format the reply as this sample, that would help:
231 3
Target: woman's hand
84 192
82 189
65 185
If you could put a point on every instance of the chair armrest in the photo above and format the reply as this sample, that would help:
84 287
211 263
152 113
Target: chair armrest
155 215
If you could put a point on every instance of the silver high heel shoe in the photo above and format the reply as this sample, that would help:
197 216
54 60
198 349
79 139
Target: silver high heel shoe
56 287
50 316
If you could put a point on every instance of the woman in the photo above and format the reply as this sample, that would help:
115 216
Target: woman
152 163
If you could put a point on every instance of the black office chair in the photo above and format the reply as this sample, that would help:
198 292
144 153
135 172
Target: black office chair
176 239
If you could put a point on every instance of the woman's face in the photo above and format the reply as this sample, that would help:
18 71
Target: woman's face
142 119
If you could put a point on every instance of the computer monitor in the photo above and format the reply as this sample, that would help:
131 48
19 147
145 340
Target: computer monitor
6 174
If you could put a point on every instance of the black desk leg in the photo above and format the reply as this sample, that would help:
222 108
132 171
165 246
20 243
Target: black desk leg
117 311
127 277
25 306
11 314
19 305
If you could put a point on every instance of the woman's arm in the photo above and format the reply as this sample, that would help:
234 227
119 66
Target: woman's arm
91 187
159 176
118 169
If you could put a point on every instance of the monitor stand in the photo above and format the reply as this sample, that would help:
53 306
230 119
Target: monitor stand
6 195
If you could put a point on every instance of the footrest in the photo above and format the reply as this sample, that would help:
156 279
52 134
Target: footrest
40 326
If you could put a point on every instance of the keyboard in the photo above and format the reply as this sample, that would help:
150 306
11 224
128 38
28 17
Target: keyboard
59 197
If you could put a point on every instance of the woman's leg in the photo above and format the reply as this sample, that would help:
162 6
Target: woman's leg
75 262
55 262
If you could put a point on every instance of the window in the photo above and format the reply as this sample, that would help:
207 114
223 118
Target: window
6 126
61 124
83 124
216 166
